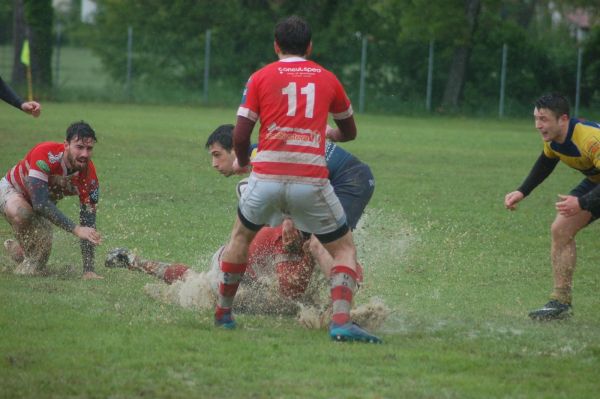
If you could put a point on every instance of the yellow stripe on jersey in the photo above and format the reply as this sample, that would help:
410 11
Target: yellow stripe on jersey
580 150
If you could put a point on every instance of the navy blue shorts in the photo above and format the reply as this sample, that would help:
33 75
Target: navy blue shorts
583 188
354 186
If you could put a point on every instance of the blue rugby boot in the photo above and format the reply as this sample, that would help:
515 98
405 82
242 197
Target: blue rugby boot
351 332
225 321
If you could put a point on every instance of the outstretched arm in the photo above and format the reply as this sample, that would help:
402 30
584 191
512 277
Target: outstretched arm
542 168
540 171
40 201
8 95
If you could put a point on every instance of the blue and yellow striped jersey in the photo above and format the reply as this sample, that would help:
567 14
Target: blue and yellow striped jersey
581 149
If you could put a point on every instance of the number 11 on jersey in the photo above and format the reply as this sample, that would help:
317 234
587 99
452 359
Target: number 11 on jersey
308 91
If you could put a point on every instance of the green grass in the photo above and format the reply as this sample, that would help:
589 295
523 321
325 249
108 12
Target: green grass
459 271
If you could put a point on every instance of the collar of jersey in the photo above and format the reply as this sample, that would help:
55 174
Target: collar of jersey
293 59
568 147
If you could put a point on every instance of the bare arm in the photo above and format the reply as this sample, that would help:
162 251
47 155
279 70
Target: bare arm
345 131
241 139
41 203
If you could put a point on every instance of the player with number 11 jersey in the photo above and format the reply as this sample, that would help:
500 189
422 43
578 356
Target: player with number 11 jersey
292 97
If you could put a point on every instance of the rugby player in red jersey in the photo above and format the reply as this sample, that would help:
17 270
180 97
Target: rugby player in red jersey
29 193
351 179
284 265
292 98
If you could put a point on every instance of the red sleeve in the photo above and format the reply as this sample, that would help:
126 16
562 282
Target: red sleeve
249 107
40 166
341 107
88 187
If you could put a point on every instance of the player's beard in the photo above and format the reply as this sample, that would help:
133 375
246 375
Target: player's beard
77 164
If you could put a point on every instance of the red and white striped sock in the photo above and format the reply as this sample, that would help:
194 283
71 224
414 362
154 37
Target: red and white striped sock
231 276
343 284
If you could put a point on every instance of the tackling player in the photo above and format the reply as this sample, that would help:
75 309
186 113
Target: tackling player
271 261
577 144
29 193
292 98
351 179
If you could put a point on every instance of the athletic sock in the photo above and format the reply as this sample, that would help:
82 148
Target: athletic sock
343 285
562 295
230 278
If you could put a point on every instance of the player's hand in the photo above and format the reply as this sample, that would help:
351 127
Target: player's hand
330 133
290 236
240 170
568 205
32 108
88 233
512 199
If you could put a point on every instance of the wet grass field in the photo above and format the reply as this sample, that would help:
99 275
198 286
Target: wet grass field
458 271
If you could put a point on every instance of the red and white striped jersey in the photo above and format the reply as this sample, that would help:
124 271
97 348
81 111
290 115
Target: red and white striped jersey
46 160
267 256
292 98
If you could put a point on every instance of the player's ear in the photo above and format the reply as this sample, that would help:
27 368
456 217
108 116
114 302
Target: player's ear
564 118
309 49
276 48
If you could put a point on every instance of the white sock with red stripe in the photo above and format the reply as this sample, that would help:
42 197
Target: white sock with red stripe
231 276
343 284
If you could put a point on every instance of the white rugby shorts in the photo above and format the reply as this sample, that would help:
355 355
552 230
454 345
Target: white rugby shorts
6 191
313 208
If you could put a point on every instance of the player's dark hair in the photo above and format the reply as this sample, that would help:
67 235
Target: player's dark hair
222 135
80 130
293 35
555 102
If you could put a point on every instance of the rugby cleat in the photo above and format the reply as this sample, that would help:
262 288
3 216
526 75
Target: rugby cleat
119 258
351 332
553 310
226 321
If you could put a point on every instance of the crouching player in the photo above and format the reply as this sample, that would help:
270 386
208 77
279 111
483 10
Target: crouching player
31 189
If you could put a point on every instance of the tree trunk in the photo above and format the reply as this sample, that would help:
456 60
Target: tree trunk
18 77
39 16
526 12
460 60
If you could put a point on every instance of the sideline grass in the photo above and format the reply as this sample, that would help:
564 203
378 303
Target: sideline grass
459 271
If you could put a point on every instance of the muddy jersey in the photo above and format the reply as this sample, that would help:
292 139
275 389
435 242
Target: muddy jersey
335 158
292 98
581 149
268 256
45 162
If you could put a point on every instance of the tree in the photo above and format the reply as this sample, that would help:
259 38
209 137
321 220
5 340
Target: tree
460 59
19 34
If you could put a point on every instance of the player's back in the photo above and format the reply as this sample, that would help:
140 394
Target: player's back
293 98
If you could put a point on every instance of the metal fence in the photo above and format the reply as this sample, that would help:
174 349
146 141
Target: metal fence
78 74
